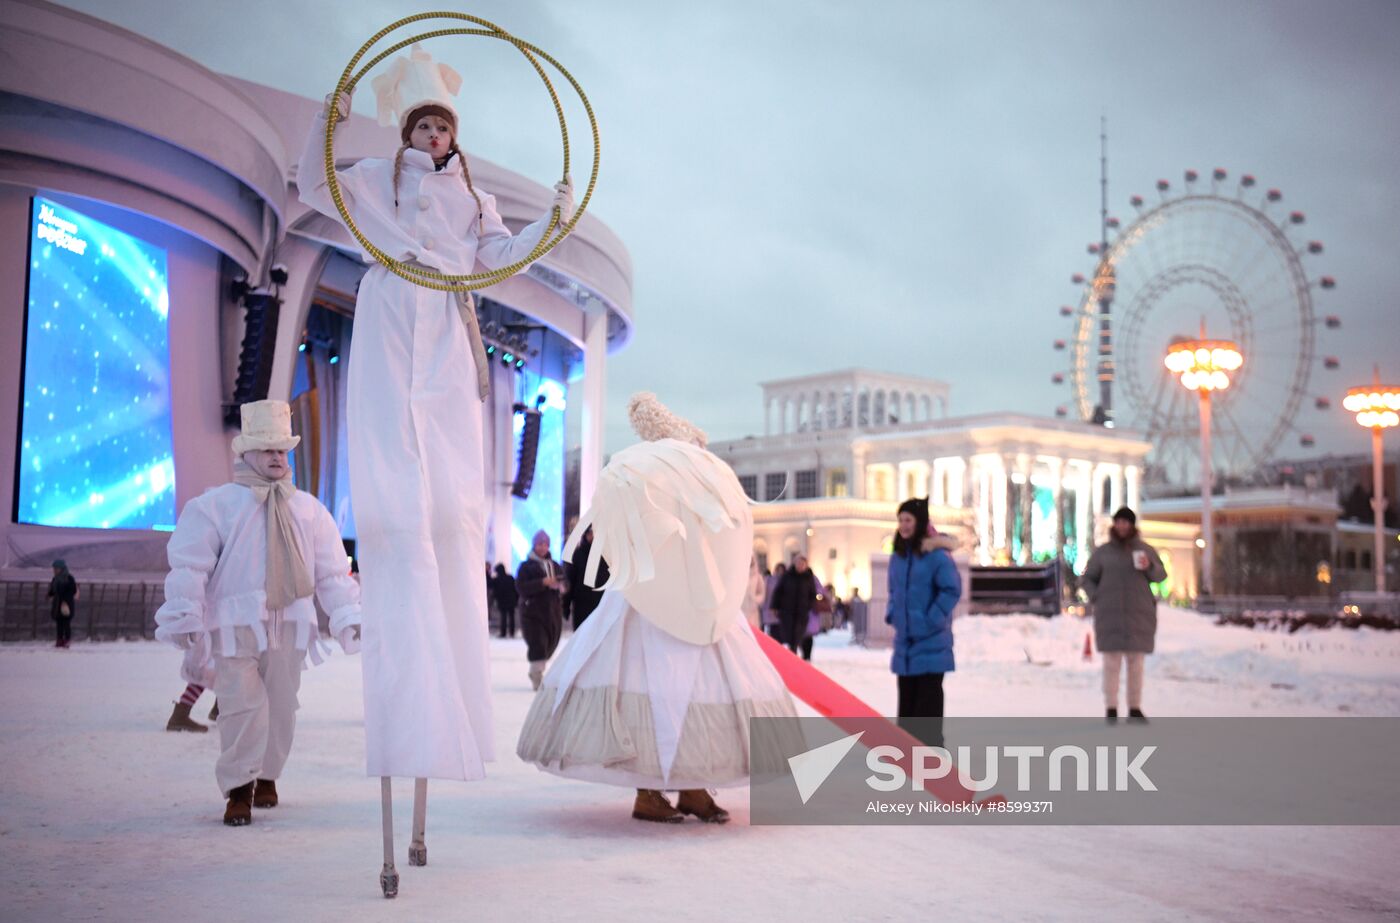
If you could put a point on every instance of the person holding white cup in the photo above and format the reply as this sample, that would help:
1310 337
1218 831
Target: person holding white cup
1118 581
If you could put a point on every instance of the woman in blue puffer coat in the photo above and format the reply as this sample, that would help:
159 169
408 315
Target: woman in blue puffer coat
924 586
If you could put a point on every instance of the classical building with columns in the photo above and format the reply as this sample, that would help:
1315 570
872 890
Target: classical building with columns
841 450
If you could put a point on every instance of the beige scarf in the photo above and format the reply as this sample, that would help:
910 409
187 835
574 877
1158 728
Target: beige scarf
287 577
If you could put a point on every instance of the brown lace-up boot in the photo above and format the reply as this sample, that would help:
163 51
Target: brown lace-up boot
697 802
652 805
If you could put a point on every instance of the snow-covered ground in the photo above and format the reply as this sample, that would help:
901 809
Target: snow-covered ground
104 816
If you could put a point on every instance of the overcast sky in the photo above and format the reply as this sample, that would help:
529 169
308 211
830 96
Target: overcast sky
904 186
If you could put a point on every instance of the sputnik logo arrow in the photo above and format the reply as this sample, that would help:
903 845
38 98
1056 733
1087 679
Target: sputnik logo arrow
811 769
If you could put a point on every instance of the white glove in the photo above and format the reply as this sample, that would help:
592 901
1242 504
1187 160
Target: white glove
564 199
340 106
349 639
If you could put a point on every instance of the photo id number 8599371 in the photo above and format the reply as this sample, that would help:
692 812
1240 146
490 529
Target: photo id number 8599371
1019 807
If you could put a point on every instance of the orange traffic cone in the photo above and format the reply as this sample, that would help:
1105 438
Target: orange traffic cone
1088 646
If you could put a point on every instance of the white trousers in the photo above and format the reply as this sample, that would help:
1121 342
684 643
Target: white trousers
257 694
1112 672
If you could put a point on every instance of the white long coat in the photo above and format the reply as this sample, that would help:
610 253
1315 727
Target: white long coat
218 574
417 467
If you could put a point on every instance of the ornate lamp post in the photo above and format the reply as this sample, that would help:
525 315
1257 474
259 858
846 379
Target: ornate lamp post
1205 366
1377 407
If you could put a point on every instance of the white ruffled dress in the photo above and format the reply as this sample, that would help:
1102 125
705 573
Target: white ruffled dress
629 704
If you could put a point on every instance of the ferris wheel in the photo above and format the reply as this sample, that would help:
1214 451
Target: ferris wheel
1216 254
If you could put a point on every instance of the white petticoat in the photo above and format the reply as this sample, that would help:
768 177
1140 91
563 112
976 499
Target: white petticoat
628 704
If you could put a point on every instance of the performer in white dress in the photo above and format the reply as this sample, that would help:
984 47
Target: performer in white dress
417 380
655 689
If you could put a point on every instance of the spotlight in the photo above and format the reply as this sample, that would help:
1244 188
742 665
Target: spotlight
335 358
278 274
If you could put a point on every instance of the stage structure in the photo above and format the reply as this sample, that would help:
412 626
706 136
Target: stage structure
158 267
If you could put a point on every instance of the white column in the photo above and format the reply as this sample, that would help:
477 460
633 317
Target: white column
981 479
1132 476
767 417
304 262
1096 474
1085 513
1056 467
1001 480
1116 489
595 394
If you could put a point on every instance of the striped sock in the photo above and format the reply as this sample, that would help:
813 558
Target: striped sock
192 694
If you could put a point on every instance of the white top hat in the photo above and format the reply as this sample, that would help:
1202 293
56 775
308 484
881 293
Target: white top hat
266 425
414 81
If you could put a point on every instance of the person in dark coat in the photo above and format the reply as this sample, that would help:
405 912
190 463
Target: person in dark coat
1118 581
63 593
793 600
924 587
541 584
507 598
583 597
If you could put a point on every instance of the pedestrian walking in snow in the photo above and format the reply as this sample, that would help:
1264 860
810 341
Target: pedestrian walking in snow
507 599
541 584
859 613
1118 582
924 587
245 560
63 603
794 600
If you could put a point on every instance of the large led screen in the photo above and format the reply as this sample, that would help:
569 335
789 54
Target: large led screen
95 434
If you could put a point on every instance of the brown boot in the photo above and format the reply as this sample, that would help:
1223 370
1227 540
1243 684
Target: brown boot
180 720
697 801
265 794
239 812
652 805
214 712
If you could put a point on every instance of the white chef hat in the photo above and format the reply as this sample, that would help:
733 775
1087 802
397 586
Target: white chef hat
412 82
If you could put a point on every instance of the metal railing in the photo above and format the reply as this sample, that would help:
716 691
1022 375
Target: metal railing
104 611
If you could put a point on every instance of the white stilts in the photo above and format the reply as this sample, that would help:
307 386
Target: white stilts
418 850
388 876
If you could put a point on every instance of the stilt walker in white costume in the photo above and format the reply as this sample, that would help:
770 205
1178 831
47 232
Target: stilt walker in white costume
418 376
655 689
245 559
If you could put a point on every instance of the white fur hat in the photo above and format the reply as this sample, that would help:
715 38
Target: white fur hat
266 425
414 81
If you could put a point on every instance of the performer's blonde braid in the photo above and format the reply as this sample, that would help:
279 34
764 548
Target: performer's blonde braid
398 168
467 178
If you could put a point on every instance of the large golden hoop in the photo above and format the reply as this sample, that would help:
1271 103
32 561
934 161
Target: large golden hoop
554 232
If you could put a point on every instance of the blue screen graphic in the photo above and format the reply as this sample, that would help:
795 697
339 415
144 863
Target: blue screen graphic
545 507
95 441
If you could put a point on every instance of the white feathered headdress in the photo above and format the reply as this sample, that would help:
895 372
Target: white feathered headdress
674 525
414 81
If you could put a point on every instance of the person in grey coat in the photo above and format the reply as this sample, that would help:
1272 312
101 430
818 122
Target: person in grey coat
1118 581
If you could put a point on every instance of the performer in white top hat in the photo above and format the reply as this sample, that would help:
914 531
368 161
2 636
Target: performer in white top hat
655 690
245 559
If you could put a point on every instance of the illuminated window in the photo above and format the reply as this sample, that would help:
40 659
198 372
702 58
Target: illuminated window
836 483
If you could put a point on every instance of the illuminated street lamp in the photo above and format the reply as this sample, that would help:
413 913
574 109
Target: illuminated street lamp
1205 366
1377 407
